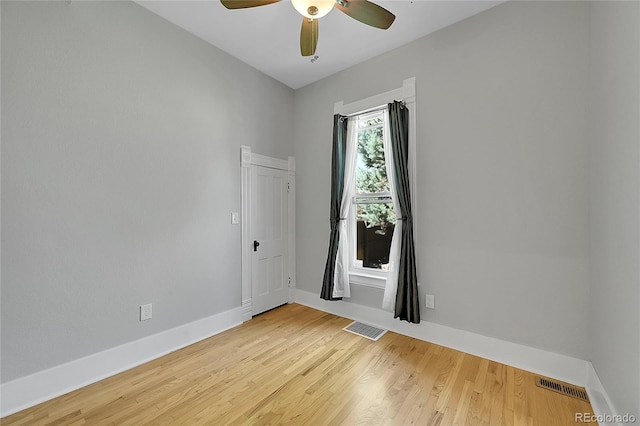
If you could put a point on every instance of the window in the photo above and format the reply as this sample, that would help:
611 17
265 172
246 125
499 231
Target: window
372 218
371 221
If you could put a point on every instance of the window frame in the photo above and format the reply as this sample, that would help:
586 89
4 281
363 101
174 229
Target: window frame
359 274
371 277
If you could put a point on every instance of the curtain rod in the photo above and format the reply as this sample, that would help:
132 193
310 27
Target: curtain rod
374 109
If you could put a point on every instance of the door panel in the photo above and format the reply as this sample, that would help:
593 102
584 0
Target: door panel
270 258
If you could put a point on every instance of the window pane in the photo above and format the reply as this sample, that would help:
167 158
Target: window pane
374 231
371 174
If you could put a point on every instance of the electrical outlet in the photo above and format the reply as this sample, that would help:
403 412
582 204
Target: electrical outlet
146 312
430 301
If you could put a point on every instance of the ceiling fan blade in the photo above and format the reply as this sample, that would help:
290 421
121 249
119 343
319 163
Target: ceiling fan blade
243 4
367 13
308 36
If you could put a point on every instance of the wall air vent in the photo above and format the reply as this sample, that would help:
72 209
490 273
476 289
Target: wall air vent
563 388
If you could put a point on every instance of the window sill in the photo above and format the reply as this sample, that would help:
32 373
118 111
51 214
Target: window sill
367 279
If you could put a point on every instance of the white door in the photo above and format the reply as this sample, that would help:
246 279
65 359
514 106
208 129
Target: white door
270 239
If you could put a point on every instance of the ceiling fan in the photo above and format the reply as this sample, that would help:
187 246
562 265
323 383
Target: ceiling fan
362 10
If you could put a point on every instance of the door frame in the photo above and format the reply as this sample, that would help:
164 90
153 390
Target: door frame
250 159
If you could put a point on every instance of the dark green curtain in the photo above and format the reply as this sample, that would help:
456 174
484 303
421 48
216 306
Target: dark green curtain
407 300
337 188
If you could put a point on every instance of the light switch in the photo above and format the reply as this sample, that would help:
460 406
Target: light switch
235 218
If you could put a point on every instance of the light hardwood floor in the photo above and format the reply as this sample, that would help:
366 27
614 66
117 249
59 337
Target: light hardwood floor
296 365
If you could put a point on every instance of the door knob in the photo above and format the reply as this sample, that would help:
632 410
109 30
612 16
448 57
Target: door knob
255 245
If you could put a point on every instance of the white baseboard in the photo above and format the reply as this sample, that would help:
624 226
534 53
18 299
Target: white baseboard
560 367
601 403
30 390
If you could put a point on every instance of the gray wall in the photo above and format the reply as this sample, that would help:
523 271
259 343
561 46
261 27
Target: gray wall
120 167
502 171
614 178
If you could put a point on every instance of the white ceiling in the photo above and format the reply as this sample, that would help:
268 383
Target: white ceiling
267 37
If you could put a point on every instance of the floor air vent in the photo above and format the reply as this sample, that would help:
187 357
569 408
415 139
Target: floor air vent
364 330
562 388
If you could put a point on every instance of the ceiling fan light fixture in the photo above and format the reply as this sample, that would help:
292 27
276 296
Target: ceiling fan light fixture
364 11
313 9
